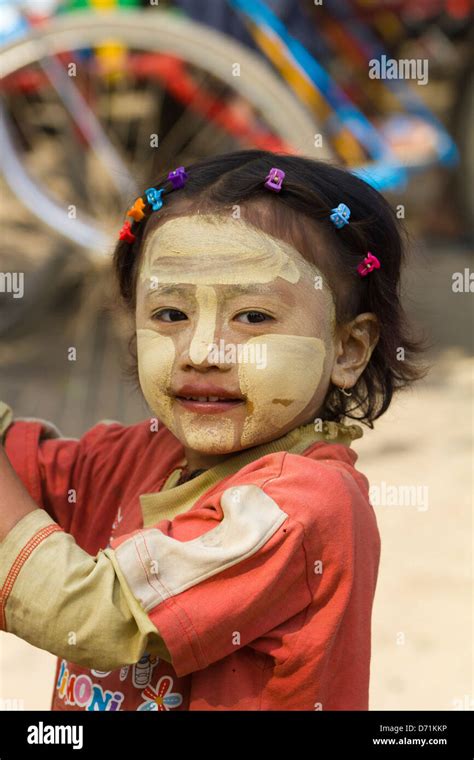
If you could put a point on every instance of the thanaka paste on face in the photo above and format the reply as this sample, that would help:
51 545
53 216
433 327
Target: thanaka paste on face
206 324
207 251
284 390
210 433
186 250
156 355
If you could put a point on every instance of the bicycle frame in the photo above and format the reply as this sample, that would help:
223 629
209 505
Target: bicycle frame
293 60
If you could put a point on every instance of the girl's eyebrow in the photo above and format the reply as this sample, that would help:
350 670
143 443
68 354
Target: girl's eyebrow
284 297
256 287
163 290
230 290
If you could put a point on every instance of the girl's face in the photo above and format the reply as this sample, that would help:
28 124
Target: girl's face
225 310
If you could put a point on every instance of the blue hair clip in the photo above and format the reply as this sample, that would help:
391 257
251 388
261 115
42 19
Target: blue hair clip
340 215
154 198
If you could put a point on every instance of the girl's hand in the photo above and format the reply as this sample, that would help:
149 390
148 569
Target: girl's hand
15 501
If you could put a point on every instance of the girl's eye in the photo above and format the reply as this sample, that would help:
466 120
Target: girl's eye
260 316
173 312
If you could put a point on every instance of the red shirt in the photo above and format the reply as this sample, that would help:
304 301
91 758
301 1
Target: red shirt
265 585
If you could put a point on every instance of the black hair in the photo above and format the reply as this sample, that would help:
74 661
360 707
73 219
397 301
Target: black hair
300 214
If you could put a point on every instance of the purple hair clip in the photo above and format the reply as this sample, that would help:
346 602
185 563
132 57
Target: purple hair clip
178 177
274 179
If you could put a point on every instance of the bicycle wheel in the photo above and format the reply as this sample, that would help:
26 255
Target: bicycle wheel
82 142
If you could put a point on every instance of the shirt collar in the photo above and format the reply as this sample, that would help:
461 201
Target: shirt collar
173 500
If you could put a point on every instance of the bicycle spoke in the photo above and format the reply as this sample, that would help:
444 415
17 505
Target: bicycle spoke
143 151
186 127
177 110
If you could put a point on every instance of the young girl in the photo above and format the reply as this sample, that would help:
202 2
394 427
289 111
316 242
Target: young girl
223 554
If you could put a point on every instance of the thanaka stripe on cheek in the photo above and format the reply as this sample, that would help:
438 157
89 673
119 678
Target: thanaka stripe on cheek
156 356
284 388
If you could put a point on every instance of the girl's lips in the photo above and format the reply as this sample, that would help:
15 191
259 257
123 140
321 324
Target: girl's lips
209 407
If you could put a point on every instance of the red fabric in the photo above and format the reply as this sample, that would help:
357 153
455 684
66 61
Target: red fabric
109 467
304 636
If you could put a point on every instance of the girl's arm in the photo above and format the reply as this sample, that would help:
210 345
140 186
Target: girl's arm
221 575
15 501
57 596
58 471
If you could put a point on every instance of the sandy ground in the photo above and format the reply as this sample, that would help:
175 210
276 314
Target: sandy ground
422 622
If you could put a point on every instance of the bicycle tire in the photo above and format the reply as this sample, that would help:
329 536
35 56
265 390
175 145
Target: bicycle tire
160 31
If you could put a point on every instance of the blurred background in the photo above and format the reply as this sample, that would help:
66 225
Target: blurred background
99 96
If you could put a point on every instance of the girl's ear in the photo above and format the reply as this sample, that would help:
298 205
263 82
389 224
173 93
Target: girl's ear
354 345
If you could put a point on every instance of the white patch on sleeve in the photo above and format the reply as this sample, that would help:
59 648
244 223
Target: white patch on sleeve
157 567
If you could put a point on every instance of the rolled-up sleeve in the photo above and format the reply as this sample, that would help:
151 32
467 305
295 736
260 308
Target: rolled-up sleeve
241 578
60 598
58 472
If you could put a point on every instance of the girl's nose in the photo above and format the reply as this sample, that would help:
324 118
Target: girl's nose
204 334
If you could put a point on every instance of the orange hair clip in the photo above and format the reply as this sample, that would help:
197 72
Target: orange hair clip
136 211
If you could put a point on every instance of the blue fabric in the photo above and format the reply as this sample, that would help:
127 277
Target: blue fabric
219 15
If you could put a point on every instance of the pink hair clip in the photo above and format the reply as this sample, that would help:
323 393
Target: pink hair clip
370 262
